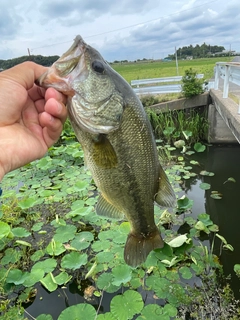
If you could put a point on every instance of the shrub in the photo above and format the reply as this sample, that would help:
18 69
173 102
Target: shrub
191 85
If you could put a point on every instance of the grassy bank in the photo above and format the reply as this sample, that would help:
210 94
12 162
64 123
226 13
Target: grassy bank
157 69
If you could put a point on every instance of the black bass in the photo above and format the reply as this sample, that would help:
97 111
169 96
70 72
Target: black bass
119 147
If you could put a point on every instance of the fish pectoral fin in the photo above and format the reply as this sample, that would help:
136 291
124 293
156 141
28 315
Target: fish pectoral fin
103 153
165 196
106 209
139 246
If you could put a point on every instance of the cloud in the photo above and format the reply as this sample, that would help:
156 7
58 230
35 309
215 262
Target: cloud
119 30
74 12
10 22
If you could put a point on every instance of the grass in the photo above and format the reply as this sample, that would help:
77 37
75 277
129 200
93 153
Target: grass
157 69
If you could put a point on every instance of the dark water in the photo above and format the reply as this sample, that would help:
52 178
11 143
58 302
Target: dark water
225 163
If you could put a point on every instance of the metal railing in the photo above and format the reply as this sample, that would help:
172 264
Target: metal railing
229 72
146 87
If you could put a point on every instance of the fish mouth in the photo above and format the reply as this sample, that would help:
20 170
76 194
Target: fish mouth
69 66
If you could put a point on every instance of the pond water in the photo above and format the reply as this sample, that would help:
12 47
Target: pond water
224 162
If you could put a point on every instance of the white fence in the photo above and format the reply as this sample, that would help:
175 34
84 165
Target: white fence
158 89
229 72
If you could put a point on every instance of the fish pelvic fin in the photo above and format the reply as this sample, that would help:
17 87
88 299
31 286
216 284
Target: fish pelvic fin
165 196
138 247
103 153
106 209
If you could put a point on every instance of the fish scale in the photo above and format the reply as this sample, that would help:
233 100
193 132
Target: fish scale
118 143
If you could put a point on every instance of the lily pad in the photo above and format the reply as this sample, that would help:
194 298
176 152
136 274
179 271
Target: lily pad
205 186
178 241
80 311
65 233
55 248
20 232
199 147
121 274
49 282
151 311
4 229
74 260
125 306
47 265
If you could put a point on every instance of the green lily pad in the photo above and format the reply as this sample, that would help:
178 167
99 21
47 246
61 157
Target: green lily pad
82 240
65 233
15 276
47 265
63 278
178 241
132 302
184 203
186 273
199 147
55 248
33 277
104 282
205 186
4 229
80 311
20 232
27 203
74 260
151 311
121 274
106 316
49 282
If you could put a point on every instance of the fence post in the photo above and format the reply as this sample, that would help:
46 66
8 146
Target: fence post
217 75
226 81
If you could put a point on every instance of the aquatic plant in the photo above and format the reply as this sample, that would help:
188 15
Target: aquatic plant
50 236
188 125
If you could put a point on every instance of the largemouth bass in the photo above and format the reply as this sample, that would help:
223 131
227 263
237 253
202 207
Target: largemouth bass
119 147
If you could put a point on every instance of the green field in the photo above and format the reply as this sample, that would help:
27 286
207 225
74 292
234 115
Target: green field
157 69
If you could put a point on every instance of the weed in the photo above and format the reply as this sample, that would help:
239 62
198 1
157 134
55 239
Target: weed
192 86
188 125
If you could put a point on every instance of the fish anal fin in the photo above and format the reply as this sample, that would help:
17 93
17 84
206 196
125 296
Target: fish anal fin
106 209
103 153
165 196
138 247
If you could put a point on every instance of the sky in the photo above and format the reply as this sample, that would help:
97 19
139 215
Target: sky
119 30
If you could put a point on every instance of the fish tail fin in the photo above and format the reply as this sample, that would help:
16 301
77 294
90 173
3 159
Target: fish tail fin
139 246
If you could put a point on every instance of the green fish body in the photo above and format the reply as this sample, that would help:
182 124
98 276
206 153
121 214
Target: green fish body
119 147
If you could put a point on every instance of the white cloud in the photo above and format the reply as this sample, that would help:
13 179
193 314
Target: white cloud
119 30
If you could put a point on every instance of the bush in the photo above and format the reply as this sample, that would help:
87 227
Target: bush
191 85
149 100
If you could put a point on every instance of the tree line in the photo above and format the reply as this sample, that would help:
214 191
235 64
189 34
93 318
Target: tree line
199 51
44 61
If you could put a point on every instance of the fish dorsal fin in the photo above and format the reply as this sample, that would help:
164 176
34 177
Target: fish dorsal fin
165 196
103 153
104 208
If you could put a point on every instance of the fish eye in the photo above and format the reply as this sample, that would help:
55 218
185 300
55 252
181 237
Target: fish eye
98 66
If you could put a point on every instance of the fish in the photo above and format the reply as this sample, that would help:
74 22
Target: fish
118 144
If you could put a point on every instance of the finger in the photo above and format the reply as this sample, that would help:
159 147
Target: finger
52 93
52 128
56 109
25 73
36 93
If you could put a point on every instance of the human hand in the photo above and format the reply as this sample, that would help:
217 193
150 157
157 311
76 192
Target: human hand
31 118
